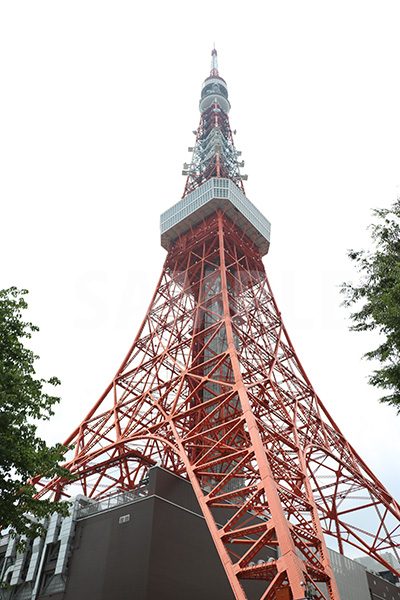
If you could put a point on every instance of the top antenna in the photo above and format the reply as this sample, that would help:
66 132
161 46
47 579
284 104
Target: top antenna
214 63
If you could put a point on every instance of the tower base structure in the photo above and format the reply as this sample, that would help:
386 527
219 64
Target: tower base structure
147 544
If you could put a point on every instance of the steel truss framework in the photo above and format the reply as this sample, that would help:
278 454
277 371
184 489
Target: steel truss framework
212 390
214 154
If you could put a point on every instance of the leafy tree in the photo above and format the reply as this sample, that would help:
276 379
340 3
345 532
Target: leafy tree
23 402
376 299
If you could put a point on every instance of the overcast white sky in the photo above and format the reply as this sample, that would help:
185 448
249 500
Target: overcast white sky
98 101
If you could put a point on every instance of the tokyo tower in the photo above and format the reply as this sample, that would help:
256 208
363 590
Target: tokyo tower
213 391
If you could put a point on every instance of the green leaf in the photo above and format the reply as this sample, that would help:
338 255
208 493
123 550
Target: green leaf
376 299
24 400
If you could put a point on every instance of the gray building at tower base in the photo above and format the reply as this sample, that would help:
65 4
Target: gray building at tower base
149 544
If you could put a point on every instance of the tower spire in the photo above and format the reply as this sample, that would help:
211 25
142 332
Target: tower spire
214 63
214 153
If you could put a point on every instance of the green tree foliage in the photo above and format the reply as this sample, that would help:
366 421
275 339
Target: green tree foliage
23 402
376 299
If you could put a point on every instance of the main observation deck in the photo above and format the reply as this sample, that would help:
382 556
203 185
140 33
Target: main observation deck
216 193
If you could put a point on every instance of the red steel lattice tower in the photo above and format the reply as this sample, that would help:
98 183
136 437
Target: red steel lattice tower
212 390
